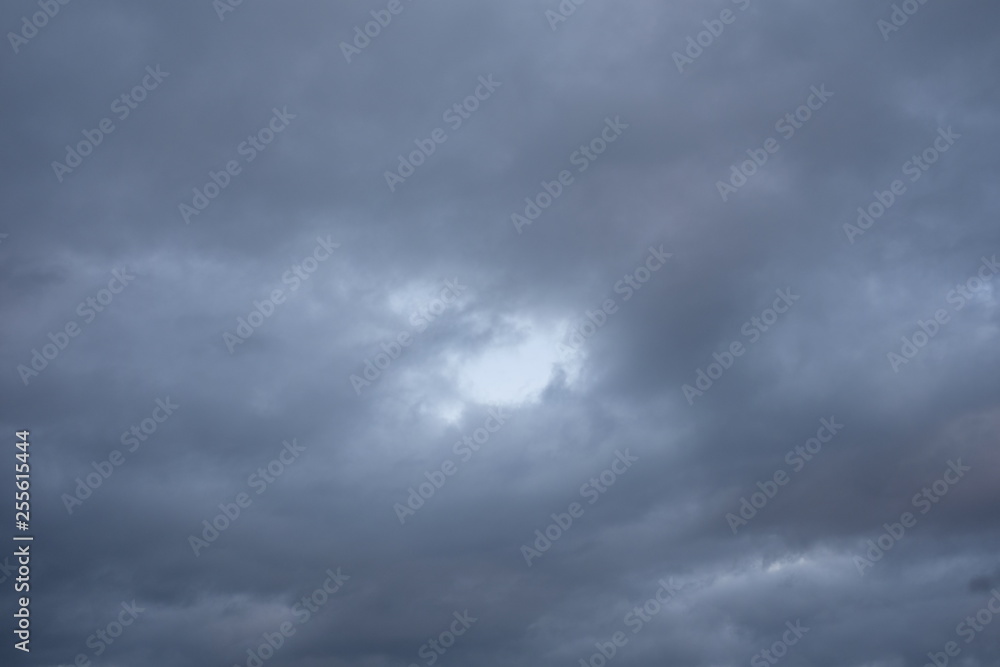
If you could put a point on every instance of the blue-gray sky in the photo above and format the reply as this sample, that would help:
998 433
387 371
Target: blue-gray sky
444 278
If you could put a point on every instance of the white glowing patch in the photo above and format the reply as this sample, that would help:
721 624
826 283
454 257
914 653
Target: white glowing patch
986 295
427 299
451 412
779 565
515 369
408 298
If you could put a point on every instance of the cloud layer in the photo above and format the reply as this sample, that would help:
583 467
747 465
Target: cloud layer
526 333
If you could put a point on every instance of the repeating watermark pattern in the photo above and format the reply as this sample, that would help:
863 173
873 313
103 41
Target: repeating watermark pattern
786 126
223 7
958 298
797 458
779 649
592 490
899 17
420 319
303 611
436 478
562 12
122 107
581 158
266 639
259 481
37 21
294 277
455 116
753 329
132 438
363 36
714 28
104 637
924 501
636 619
88 310
249 149
432 650
914 168
968 629
627 286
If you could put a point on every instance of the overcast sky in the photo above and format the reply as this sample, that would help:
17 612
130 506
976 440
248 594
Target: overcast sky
639 333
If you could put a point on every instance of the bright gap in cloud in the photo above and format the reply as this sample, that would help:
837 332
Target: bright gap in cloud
516 368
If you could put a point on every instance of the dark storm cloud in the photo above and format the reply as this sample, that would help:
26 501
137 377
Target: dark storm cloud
276 128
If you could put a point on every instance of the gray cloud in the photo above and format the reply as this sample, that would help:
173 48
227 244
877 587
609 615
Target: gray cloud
524 335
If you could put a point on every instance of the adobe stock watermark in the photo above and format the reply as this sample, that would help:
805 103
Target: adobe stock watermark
372 29
420 319
455 116
37 21
753 329
435 647
592 489
104 637
294 277
88 310
968 629
714 28
924 501
899 17
132 439
223 7
438 476
260 481
122 107
786 126
636 619
779 649
958 297
303 611
249 149
562 12
797 458
630 283
581 158
914 168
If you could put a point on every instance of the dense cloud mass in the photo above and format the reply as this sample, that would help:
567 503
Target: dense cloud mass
503 333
